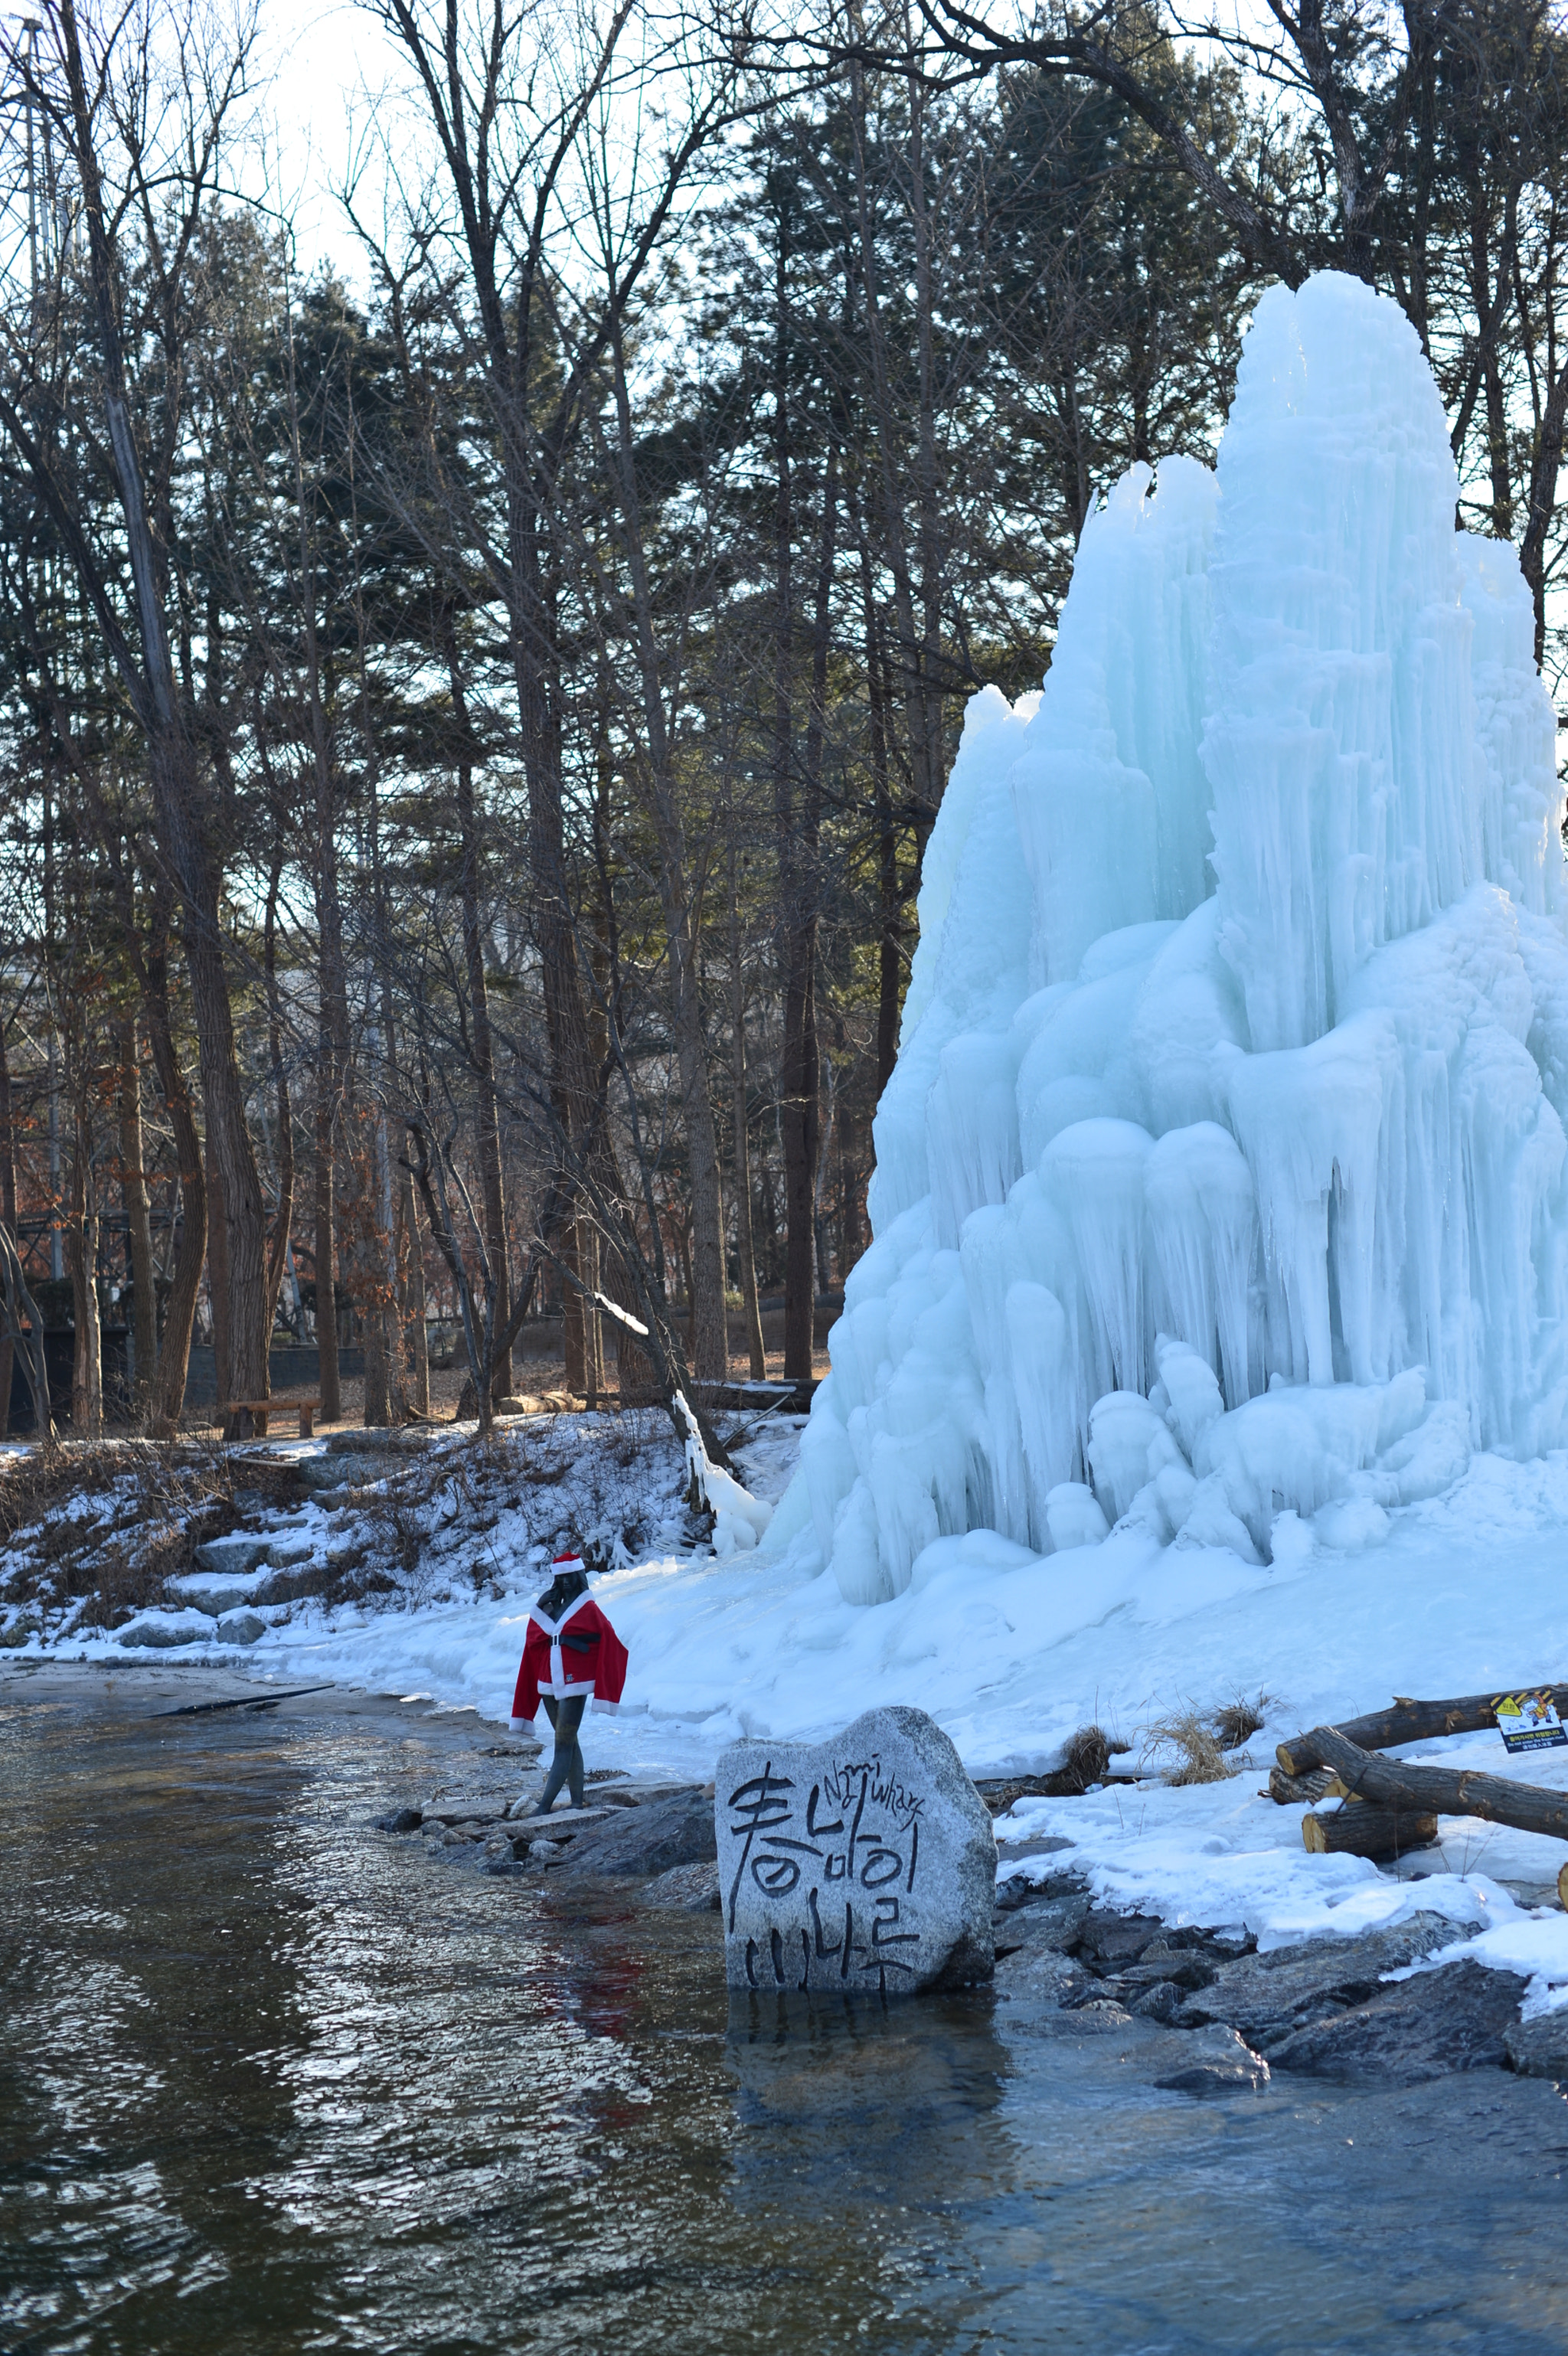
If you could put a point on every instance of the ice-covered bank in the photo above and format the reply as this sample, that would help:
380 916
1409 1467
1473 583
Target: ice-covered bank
1009 1654
1220 1174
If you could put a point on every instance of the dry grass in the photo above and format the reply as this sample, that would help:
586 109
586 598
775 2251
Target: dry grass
1202 1758
1236 1721
1086 1762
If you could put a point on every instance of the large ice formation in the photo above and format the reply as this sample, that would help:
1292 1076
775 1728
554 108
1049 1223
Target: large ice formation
1222 1172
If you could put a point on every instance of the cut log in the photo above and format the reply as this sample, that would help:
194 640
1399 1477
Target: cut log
1359 1830
1412 1721
1444 1791
1290 1790
1562 1888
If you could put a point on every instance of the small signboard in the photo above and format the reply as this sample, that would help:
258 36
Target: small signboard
1528 1721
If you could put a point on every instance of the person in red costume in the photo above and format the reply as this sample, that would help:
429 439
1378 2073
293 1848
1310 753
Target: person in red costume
572 1656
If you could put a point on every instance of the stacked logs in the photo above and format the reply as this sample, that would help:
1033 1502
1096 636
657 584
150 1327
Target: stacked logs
1391 1805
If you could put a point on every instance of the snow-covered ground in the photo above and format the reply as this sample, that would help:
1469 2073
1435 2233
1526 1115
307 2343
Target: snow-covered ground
1011 1652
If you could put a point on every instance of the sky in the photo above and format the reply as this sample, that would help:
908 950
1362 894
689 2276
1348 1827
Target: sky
327 61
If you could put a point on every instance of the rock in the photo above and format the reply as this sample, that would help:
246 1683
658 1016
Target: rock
1056 1909
241 1628
1017 1889
654 1837
1216 2061
1038 1973
1100 2016
1269 1998
867 1861
1455 2017
1114 1939
201 1595
164 1629
686 1889
400 1820
1539 2047
497 1856
231 1557
1161 1963
1162 2002
561 1826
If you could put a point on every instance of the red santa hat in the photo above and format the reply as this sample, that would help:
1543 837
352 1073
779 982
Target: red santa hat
569 1562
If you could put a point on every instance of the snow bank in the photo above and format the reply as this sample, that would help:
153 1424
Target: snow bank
1219 1180
1011 1652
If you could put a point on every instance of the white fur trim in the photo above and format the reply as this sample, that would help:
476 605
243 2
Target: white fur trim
553 1628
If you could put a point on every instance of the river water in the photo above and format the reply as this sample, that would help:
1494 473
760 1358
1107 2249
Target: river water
272 2081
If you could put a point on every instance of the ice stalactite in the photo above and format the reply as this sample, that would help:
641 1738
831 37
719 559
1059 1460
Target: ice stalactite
1222 1172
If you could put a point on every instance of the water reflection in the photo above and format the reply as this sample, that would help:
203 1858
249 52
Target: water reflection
272 2081
853 2099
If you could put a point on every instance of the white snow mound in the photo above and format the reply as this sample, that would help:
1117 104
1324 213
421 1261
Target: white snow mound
1221 1177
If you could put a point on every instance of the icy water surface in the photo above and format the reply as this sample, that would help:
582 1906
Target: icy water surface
270 2082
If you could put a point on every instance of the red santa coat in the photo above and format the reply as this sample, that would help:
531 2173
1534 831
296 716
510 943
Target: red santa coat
578 1653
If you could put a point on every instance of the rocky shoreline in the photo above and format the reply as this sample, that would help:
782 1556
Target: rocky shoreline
1189 2009
1194 2012
1211 2014
631 1829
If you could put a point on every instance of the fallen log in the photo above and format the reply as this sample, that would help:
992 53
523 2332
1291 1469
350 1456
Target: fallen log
1359 1829
1440 1790
1562 1889
1290 1790
1412 1721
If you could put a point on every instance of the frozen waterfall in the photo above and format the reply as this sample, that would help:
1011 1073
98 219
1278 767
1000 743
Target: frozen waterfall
1222 1172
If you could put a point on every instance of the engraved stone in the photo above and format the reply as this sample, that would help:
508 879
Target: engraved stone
867 1862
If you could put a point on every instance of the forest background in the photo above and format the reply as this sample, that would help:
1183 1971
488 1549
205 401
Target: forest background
472 725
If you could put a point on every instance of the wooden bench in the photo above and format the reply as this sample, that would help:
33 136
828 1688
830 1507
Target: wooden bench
251 1416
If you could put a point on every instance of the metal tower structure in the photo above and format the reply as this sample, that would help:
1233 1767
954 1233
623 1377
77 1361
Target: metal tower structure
28 185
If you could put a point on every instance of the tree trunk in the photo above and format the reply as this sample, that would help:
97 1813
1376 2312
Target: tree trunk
912 638
380 1301
411 1260
7 1221
138 1224
711 1346
532 625
278 1251
800 1077
237 1225
588 1267
573 1340
1443 1790
797 1066
81 1253
329 1381
756 1355
174 1349
220 1295
486 1118
180 805
890 906
1412 1721
1357 1830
